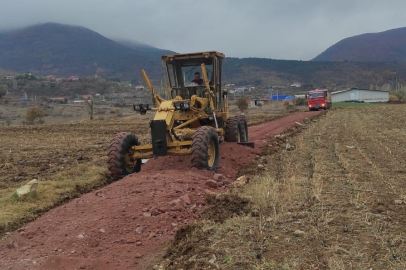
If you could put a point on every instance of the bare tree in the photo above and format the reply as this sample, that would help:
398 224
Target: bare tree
89 104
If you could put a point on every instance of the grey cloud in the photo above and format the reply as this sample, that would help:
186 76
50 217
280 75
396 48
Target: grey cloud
289 29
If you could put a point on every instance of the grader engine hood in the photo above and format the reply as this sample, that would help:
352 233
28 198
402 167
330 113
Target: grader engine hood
160 126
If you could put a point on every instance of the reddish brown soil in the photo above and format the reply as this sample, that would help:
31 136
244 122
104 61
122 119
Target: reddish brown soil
122 225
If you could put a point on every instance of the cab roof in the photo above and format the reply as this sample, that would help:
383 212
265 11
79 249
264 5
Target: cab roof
318 91
193 55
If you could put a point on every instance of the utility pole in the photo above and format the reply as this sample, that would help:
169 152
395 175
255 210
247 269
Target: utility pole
396 86
89 104
14 83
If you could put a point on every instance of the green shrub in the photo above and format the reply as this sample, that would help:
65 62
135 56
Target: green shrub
34 113
400 94
301 101
242 104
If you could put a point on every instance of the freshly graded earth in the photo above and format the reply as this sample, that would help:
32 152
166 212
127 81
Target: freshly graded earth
125 224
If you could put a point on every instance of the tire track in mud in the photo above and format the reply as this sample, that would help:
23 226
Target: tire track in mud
123 225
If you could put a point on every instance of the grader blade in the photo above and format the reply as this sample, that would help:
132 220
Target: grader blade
249 144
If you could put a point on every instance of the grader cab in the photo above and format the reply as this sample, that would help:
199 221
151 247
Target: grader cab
193 120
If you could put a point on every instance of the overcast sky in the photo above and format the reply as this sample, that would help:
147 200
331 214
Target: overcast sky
279 29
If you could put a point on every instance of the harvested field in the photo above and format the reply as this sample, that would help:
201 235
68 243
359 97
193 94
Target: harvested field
126 224
68 159
332 197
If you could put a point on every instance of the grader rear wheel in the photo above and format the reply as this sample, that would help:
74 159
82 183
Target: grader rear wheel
120 161
244 128
233 130
205 149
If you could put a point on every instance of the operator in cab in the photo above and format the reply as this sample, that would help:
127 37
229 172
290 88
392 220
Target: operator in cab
197 79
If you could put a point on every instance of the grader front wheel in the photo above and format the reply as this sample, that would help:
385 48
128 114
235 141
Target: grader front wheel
120 161
205 149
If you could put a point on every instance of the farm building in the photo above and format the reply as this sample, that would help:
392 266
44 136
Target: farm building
360 95
257 101
59 100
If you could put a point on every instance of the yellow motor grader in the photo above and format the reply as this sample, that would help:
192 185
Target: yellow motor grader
191 121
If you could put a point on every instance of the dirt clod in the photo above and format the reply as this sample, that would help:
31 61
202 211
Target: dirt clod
289 147
255 213
398 202
209 192
212 184
241 181
224 207
218 177
298 233
185 199
137 255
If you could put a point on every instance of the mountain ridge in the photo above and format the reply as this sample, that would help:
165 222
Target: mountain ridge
386 46
141 46
64 51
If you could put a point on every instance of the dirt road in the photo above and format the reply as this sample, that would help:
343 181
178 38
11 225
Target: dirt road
122 225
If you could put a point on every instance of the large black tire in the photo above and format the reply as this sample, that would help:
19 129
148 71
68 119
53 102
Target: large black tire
205 149
233 130
244 128
118 151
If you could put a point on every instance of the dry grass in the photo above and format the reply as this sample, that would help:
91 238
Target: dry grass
61 187
338 186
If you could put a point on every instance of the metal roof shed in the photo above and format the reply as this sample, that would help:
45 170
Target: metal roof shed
360 95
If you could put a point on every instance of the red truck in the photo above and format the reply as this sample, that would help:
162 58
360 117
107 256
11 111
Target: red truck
319 99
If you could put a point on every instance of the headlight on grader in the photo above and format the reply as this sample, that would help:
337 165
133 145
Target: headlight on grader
182 105
141 108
